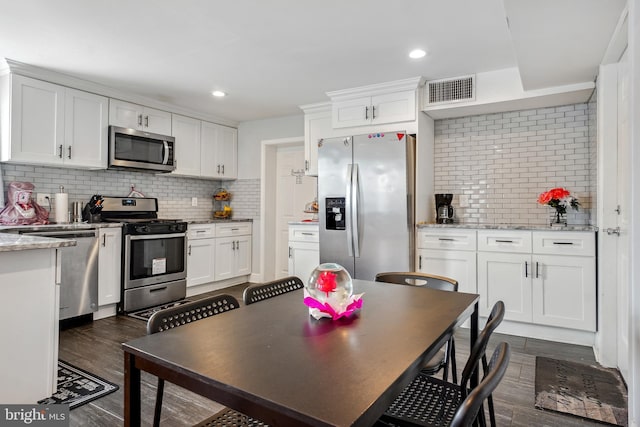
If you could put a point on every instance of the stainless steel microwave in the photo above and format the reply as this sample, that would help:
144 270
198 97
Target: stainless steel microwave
134 149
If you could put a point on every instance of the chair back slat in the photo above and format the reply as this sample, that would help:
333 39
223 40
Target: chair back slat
271 289
419 279
179 315
469 408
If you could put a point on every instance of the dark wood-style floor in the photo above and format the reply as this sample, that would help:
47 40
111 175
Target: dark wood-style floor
96 347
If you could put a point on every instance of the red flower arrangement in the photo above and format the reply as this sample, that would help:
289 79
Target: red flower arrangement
559 199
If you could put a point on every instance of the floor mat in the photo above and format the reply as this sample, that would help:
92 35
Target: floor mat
585 391
148 312
77 387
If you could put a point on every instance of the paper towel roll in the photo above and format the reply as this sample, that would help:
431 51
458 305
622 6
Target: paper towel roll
62 208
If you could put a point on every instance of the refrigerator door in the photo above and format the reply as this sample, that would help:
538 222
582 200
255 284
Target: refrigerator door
382 203
334 183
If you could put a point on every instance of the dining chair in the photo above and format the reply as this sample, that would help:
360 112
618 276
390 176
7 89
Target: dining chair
180 315
255 293
447 354
430 401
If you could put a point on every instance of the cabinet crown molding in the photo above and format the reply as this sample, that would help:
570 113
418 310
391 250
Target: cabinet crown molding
27 70
376 89
320 107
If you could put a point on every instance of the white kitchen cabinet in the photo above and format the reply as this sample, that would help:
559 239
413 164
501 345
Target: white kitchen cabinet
200 254
450 253
86 129
186 131
134 116
232 250
49 124
553 288
317 125
219 151
109 265
391 107
304 250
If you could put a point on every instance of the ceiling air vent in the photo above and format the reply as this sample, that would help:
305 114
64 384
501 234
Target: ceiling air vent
451 90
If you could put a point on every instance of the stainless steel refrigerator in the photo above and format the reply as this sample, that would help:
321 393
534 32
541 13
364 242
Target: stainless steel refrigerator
366 202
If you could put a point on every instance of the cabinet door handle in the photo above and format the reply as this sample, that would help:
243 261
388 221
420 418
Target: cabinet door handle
104 240
218 169
60 151
222 169
69 151
238 244
373 113
306 165
446 239
233 245
526 269
366 113
289 251
504 241
537 269
420 262
139 119
146 121
306 234
189 250
563 243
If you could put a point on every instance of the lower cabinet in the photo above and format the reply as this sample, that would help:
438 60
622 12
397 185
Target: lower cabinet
109 265
233 257
304 250
218 251
449 253
552 282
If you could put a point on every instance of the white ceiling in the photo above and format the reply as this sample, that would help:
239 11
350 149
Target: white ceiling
271 56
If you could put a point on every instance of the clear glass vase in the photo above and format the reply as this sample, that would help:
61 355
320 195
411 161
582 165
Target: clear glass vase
557 218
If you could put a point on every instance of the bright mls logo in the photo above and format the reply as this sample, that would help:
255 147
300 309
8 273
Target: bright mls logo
36 415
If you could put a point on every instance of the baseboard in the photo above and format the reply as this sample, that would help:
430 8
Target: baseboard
542 332
215 286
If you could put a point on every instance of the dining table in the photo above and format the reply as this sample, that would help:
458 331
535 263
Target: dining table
274 362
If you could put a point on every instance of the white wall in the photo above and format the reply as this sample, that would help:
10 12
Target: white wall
250 135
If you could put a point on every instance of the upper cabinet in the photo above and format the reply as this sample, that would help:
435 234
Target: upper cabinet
392 102
317 125
205 149
370 110
49 124
219 149
134 116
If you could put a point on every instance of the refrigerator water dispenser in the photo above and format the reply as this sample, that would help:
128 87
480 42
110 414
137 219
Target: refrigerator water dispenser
335 213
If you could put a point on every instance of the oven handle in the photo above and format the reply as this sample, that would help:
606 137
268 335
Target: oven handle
155 236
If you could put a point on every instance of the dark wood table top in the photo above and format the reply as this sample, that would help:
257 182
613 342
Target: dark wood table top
271 360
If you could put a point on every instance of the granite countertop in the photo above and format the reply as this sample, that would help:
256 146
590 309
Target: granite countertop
20 242
303 223
510 227
66 226
217 220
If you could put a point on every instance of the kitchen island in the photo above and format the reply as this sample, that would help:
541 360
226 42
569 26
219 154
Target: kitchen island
29 288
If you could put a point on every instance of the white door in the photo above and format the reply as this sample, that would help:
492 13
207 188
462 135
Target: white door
224 258
109 266
37 124
458 265
186 131
242 256
305 257
200 261
156 121
505 277
564 291
291 198
228 151
624 199
85 131
125 114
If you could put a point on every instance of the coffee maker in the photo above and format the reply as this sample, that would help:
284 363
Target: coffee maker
444 210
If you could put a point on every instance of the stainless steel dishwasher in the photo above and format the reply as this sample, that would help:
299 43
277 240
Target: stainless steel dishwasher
79 285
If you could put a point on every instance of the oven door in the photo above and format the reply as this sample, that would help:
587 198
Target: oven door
153 259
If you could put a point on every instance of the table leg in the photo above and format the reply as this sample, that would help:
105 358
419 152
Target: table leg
131 391
473 337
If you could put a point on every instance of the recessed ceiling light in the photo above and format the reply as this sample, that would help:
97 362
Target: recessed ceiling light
417 53
218 93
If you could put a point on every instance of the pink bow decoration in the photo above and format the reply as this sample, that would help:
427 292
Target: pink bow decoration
319 309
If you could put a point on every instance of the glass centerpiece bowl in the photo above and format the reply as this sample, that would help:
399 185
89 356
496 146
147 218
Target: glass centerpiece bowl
329 292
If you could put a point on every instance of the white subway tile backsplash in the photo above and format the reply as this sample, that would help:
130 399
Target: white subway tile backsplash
504 161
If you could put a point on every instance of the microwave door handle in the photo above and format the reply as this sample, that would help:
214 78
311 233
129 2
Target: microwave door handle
165 160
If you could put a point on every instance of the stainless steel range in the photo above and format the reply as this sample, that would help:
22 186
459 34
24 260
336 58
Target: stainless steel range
154 253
